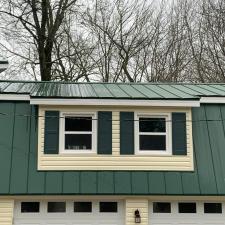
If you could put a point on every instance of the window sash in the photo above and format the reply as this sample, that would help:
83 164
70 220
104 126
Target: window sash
63 132
167 133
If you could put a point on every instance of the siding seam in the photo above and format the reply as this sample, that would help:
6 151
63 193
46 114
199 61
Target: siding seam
13 130
28 164
211 154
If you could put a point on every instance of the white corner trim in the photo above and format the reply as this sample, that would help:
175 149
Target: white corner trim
213 100
115 102
14 97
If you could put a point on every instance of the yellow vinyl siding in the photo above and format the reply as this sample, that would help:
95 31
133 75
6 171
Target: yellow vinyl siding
92 161
115 133
134 204
6 212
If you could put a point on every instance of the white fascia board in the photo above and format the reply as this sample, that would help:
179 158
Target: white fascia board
213 100
14 97
115 102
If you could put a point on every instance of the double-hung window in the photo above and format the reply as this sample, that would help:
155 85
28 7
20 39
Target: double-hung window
78 132
153 133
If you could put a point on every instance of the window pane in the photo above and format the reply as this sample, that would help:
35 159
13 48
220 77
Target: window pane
187 207
78 141
161 207
30 207
152 142
56 207
78 124
152 124
108 206
82 207
212 207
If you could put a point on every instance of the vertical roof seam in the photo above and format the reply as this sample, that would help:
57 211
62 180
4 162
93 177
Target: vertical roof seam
209 90
45 186
131 182
109 91
114 183
164 178
62 186
218 88
29 142
146 86
211 154
79 178
187 86
167 90
123 90
6 87
148 185
126 92
80 93
139 91
196 166
21 87
94 91
174 86
221 117
96 182
11 158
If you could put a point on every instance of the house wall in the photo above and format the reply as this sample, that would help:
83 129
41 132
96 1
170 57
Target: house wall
134 204
6 211
115 161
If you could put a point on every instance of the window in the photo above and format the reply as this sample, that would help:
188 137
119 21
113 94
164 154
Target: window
78 133
82 207
108 206
187 207
54 207
30 207
152 134
212 208
161 207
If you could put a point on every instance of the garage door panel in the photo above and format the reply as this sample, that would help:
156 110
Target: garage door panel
70 215
160 213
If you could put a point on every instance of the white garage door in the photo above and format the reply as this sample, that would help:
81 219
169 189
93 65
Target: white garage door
186 213
69 213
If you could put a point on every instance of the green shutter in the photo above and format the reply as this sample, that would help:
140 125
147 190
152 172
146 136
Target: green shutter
179 137
104 132
126 133
51 145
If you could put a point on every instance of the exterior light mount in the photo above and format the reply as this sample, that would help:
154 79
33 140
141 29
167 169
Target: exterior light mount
137 216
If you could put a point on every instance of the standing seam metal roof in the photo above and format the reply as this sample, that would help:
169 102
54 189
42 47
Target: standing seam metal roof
112 90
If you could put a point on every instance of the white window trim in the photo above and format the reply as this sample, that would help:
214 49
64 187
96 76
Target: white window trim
62 132
167 116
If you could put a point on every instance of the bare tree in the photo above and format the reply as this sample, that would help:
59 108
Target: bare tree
124 27
37 22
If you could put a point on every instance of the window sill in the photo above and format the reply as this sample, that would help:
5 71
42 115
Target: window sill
153 153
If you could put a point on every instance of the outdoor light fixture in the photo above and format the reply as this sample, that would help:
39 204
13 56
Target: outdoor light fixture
137 216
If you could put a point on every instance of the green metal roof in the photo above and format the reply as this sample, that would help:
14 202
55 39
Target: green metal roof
19 175
112 90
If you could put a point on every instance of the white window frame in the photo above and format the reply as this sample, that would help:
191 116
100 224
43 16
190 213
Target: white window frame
168 133
93 115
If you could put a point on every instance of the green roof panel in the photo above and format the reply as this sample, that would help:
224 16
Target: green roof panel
147 91
112 90
161 91
132 92
175 91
